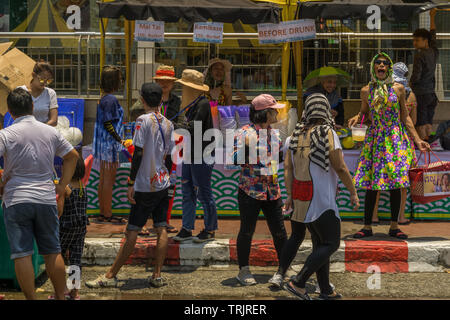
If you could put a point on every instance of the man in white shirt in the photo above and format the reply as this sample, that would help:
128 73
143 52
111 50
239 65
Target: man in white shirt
29 200
147 186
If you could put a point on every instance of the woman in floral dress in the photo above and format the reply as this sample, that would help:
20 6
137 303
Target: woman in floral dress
387 153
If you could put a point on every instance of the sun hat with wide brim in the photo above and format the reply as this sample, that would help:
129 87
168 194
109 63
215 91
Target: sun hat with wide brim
165 73
193 79
226 64
314 77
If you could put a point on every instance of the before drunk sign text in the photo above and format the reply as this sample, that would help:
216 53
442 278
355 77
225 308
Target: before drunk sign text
289 31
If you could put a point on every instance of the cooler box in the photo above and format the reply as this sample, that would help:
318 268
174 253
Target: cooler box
73 109
7 271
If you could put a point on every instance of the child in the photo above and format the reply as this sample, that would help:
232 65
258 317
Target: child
73 221
148 186
108 140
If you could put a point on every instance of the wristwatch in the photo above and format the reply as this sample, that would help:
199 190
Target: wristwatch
130 182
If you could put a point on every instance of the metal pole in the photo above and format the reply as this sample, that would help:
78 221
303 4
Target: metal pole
79 66
88 64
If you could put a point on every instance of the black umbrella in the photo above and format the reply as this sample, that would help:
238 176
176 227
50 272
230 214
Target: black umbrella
391 10
226 11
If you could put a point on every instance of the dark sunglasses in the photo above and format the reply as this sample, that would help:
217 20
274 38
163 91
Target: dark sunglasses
384 62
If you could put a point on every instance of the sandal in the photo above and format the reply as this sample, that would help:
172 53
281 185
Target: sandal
172 229
397 233
363 233
102 219
296 293
118 220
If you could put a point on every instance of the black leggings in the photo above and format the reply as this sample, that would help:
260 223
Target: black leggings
291 247
325 236
249 211
371 198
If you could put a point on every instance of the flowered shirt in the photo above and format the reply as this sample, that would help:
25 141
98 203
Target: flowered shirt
258 180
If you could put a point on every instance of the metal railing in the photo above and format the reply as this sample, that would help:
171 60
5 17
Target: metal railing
255 68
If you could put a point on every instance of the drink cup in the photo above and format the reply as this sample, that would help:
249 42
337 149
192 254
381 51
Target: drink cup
359 132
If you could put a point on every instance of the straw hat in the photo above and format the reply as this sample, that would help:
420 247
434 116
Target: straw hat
226 64
193 79
165 73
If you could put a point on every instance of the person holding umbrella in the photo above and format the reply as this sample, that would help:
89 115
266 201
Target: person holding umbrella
325 80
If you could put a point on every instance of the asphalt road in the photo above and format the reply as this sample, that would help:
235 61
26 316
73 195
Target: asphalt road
220 283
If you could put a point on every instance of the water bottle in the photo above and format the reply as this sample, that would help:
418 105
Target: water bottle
173 178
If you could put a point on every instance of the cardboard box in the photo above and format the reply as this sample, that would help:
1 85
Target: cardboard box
16 69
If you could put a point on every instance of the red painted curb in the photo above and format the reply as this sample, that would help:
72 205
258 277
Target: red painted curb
262 253
390 256
145 250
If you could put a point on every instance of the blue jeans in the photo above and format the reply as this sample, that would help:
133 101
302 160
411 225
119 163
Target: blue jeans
196 182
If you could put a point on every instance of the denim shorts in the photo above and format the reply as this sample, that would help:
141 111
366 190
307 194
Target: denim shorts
25 222
149 205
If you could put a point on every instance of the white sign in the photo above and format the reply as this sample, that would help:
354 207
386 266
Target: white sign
149 31
289 31
211 32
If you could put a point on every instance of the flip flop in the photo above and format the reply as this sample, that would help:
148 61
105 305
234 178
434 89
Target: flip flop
397 233
300 295
363 233
171 229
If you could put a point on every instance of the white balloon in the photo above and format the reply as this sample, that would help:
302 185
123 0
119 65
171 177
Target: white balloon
63 122
73 135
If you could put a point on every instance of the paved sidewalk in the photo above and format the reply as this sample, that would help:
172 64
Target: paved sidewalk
229 228
426 250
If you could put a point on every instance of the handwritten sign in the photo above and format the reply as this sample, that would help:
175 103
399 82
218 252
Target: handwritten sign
436 183
149 31
289 31
211 32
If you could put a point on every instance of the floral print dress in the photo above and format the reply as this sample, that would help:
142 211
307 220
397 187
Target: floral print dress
387 153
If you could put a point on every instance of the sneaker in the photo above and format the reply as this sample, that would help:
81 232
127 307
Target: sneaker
102 282
204 236
245 277
157 282
183 235
276 280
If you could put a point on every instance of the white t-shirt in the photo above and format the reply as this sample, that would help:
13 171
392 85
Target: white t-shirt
29 148
324 186
47 100
153 175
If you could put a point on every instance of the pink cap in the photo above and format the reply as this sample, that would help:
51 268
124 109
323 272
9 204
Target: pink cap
266 101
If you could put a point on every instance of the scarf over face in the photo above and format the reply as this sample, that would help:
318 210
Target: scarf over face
316 107
380 87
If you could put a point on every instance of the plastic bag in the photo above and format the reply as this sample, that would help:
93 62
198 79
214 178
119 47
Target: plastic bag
227 119
293 119
242 115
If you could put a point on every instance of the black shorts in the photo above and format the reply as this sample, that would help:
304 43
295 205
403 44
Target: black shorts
426 104
149 204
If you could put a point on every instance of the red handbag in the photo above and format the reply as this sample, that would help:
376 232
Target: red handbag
302 190
416 177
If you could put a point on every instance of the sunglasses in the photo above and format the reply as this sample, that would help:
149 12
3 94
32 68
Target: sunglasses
44 81
384 62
